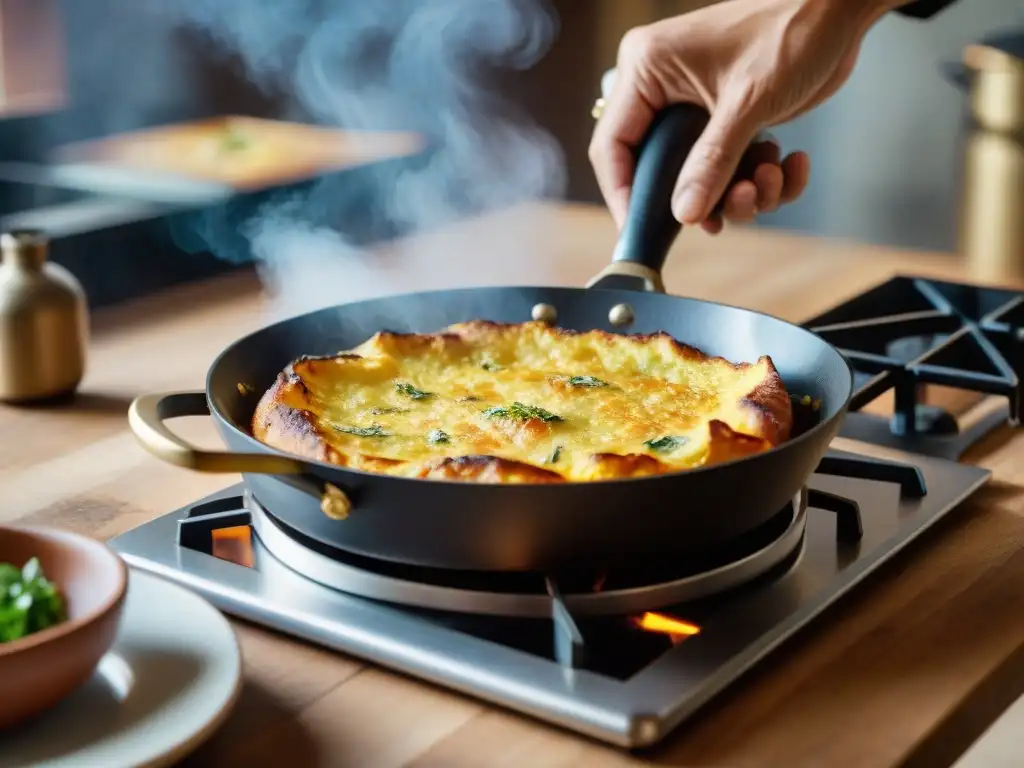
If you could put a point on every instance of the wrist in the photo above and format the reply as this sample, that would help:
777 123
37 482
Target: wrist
864 13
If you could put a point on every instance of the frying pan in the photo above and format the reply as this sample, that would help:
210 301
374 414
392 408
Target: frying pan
537 527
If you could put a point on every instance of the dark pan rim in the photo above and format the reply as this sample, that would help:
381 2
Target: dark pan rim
811 433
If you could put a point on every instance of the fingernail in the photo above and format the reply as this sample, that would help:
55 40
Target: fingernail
687 207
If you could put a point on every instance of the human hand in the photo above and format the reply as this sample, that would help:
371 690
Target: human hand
752 64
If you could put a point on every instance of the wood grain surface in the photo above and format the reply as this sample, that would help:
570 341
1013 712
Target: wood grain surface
907 671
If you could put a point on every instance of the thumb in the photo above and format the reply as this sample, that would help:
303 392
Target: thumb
713 161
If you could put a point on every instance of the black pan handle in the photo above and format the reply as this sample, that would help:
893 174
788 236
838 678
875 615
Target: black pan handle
650 227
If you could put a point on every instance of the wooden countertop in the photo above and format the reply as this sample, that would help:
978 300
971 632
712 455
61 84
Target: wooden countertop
906 672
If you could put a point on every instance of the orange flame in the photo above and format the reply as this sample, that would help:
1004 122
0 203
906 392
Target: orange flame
676 629
234 545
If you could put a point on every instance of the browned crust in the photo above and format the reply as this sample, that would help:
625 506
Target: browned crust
614 465
281 418
727 444
288 428
770 400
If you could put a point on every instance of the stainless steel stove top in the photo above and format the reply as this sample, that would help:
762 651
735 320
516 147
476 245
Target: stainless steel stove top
625 679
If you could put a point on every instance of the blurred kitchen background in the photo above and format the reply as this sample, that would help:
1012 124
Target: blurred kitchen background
887 152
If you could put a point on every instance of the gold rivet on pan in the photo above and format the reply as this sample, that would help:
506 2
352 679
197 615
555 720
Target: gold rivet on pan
334 503
544 313
621 315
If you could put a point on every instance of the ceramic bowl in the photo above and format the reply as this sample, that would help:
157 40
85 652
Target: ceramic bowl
39 670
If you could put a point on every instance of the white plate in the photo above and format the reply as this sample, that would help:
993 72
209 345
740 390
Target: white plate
165 686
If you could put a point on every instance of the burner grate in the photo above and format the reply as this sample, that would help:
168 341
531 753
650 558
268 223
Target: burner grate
909 332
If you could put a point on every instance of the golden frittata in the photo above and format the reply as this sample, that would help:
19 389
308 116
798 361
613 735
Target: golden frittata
523 403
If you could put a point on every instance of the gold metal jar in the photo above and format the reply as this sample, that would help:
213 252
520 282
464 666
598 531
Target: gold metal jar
43 322
992 207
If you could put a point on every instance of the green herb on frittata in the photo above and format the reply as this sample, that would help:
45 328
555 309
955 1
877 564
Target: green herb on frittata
667 444
385 411
489 365
29 602
520 412
437 437
555 455
409 390
374 430
586 381
234 140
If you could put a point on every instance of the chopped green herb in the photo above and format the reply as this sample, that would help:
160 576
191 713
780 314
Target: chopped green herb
488 365
374 430
469 399
555 455
29 602
384 411
410 391
667 444
436 437
586 381
520 412
234 140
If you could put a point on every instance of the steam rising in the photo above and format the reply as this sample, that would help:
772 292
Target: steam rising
419 65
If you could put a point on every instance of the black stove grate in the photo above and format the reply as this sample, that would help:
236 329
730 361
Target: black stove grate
910 331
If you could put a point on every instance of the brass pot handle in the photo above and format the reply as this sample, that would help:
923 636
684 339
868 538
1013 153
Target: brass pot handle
147 416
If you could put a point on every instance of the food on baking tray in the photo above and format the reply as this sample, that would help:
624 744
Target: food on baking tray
523 403
241 152
29 602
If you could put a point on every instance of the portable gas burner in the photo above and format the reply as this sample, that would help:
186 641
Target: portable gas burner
626 655
621 656
909 332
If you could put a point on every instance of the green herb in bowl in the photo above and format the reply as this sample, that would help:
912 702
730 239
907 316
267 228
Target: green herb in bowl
29 602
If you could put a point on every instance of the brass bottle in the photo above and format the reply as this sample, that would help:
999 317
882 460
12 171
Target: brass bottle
43 322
